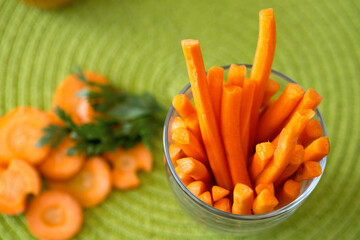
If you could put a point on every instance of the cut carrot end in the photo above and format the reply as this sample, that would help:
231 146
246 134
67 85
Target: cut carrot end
288 193
223 205
308 170
219 193
243 199
265 202
197 187
317 150
206 198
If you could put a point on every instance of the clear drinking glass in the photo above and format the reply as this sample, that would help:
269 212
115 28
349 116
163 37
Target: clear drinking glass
224 221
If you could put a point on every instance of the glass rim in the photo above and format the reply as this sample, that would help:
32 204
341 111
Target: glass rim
299 200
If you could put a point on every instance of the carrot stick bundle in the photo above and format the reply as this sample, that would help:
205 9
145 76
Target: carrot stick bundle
288 193
272 87
208 125
308 170
215 80
243 199
312 131
195 169
188 113
236 75
287 143
272 119
265 202
223 205
219 193
230 122
317 150
263 154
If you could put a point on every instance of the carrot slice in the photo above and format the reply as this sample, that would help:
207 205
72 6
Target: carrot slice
264 202
208 124
20 129
223 205
54 215
288 193
195 169
91 185
308 170
58 165
215 80
271 120
206 198
287 143
186 179
230 130
261 68
175 153
269 186
219 193
263 154
272 87
312 131
236 75
317 150
197 187
188 113
16 182
243 199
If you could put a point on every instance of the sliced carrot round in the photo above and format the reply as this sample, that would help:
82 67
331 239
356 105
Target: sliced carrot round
16 182
58 165
20 130
54 215
91 185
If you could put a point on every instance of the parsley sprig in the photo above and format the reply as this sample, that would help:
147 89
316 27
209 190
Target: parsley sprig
126 119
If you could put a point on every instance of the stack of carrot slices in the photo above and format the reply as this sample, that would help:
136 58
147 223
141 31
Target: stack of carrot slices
239 149
74 182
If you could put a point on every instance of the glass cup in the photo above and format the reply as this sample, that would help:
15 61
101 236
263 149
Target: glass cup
225 222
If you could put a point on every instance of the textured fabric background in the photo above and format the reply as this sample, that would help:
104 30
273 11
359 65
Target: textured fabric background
136 44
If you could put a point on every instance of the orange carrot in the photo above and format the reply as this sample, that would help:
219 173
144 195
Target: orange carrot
243 199
207 120
261 68
271 120
236 75
16 182
54 215
269 186
20 129
58 165
197 187
263 154
91 185
295 161
308 170
175 153
189 144
288 193
230 129
177 122
219 193
287 143
206 198
317 150
188 113
183 177
264 202
272 87
223 205
215 80
195 169
312 131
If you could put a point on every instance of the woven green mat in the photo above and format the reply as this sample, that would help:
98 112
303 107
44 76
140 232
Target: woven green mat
137 45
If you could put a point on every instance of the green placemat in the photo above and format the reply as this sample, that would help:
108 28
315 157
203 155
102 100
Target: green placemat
137 45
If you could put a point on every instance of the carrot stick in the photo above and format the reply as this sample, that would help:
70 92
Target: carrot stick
188 113
183 177
269 186
287 143
207 120
264 202
236 75
230 131
219 193
312 131
54 215
178 122
91 185
272 119
175 153
288 193
215 80
295 161
261 68
197 187
17 181
223 205
272 87
195 169
308 170
243 199
189 144
263 154
317 150
206 198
